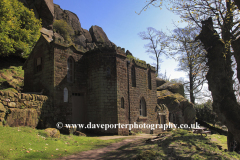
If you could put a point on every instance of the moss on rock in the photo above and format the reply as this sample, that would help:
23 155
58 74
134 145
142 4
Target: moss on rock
52 132
173 87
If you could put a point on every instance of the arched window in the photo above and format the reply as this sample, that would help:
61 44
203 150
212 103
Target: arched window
70 69
65 94
149 79
122 102
143 111
133 74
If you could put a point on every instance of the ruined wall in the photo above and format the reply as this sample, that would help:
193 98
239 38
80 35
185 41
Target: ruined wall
19 109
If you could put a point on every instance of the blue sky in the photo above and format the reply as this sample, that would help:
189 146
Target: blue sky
122 25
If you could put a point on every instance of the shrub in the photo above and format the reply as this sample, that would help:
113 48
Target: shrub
205 112
62 28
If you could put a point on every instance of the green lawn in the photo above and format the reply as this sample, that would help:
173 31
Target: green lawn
28 143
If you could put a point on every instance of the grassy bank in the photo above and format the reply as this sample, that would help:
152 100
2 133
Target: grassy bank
181 144
28 143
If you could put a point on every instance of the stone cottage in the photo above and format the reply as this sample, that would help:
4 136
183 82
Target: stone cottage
92 80
101 85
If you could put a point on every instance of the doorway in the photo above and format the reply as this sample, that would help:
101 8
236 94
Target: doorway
78 108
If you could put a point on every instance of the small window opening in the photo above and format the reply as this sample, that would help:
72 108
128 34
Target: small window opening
39 64
122 102
143 107
65 94
133 74
70 69
149 79
108 72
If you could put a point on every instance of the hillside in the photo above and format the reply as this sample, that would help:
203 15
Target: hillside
11 73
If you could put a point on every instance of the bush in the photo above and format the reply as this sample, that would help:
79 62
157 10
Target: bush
62 28
205 112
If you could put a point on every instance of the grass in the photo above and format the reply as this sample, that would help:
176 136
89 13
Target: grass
180 144
219 139
29 143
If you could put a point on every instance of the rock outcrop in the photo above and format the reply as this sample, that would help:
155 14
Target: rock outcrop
181 111
98 35
83 38
49 12
70 17
172 87
43 9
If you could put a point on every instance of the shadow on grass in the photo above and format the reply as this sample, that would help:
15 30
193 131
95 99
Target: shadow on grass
175 147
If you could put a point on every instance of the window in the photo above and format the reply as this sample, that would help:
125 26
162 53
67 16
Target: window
39 64
143 107
108 72
70 69
65 94
149 79
133 74
122 102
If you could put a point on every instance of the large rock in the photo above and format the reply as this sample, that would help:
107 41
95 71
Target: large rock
87 35
160 81
52 132
22 117
98 35
178 105
70 17
2 108
173 87
80 40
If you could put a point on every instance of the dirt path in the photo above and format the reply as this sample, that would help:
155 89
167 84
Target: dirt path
102 153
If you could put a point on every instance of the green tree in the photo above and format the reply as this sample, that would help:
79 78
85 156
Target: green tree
62 28
19 29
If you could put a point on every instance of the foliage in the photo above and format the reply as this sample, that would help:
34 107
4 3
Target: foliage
136 59
19 29
205 112
29 143
157 45
65 30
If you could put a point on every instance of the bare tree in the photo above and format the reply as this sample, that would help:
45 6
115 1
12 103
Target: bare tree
191 58
157 45
220 36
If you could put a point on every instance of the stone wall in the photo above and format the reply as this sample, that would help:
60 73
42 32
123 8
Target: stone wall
35 81
19 109
102 88
61 55
122 92
142 90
